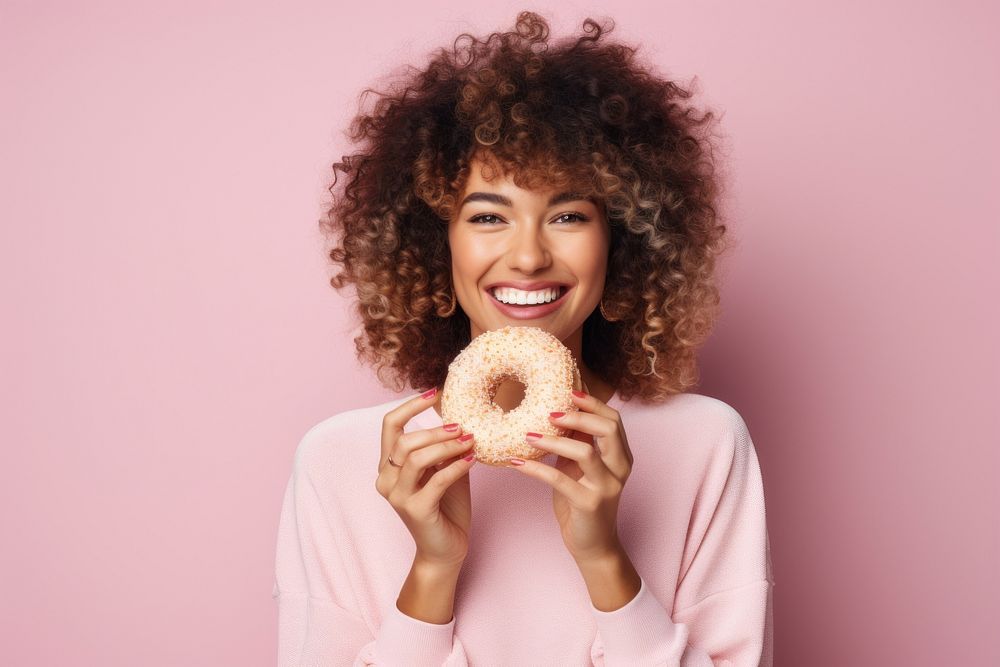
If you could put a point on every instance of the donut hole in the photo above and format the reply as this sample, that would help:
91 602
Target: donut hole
513 388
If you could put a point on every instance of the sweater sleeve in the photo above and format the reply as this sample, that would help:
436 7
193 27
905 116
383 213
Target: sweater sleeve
318 626
639 633
723 604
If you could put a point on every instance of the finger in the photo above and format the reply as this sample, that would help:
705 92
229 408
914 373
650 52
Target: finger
415 440
439 482
586 422
608 437
448 461
577 494
590 403
394 420
586 455
419 460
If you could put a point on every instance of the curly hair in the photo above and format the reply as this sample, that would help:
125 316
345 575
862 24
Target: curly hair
578 111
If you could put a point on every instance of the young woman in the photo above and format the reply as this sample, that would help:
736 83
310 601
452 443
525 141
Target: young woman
510 167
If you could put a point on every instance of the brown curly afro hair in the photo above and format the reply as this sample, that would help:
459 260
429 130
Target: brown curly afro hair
579 111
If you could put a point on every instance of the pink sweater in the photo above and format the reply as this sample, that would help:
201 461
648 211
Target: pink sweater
691 519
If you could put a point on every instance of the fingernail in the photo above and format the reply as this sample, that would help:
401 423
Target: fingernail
556 415
465 437
579 394
533 436
517 462
429 393
469 457
450 427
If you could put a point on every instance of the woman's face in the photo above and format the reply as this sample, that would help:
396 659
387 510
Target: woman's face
531 245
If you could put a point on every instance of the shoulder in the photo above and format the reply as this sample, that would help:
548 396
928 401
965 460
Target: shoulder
699 426
731 448
712 416
346 438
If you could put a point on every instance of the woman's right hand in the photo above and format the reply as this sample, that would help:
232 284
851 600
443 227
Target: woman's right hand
430 488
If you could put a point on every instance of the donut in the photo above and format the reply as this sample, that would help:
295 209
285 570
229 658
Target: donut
533 357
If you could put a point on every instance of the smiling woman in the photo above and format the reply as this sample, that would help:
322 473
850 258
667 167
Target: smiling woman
514 182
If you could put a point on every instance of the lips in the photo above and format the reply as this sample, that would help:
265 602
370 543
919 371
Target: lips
529 312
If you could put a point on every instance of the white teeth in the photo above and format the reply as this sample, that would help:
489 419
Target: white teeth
521 297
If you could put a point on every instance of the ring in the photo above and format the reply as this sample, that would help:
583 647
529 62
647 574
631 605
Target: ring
391 462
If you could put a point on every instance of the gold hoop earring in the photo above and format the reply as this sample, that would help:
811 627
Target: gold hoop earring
451 309
604 313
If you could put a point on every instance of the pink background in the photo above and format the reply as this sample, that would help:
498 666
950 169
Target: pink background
171 334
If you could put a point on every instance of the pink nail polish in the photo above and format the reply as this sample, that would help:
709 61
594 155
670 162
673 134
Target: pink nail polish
532 436
450 427
465 437
556 415
429 393
469 457
517 462
579 394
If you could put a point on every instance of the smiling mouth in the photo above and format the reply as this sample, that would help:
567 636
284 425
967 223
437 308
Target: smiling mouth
562 292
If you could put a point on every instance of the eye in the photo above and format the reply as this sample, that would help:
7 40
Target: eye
490 219
479 219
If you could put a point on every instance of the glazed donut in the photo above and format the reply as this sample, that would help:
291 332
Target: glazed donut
533 357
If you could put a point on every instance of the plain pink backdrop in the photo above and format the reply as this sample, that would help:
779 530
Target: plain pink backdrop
171 335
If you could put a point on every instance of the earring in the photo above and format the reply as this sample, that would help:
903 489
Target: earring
604 313
451 309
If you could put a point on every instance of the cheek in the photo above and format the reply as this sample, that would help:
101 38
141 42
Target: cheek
467 260
591 260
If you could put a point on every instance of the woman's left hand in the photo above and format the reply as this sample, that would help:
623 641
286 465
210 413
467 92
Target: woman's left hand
587 480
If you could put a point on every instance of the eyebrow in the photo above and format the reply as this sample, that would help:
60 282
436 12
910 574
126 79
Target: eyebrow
494 198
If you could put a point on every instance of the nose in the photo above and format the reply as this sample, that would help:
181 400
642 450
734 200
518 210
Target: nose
527 252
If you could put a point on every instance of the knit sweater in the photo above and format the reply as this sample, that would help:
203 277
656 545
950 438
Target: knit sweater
691 519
